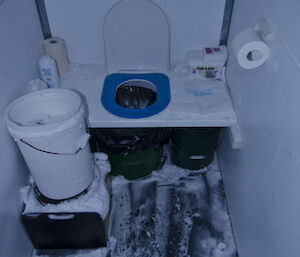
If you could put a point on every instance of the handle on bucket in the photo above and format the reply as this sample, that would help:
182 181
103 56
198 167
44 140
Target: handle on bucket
80 144
61 216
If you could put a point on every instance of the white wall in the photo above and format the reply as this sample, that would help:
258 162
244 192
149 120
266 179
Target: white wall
193 23
262 181
20 47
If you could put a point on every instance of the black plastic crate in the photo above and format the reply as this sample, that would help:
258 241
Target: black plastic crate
81 230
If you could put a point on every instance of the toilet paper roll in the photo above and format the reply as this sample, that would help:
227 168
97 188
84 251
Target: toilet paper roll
250 49
55 47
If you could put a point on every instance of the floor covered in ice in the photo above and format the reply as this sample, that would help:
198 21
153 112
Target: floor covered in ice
173 212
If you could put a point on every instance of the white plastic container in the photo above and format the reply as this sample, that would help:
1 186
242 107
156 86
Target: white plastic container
49 71
208 57
50 130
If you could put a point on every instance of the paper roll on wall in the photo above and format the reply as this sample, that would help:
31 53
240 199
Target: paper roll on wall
250 49
55 47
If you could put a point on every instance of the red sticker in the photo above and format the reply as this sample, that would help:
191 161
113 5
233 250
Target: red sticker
208 50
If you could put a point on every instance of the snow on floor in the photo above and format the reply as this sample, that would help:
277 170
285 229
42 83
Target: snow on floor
173 212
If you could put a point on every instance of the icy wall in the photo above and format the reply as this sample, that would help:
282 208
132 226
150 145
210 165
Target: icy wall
193 24
20 47
262 180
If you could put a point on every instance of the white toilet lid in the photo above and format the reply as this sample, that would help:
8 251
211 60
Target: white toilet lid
136 37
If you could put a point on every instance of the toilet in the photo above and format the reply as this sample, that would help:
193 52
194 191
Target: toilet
137 54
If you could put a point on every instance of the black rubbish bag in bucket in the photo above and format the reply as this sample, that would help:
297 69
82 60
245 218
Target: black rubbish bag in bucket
128 140
133 152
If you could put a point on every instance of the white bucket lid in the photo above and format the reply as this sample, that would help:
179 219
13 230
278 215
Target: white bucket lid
44 113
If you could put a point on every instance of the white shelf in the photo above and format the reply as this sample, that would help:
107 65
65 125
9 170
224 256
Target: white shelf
194 102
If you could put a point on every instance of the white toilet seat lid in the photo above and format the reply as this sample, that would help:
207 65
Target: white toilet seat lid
136 37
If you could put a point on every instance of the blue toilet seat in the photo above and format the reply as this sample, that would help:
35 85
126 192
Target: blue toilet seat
113 81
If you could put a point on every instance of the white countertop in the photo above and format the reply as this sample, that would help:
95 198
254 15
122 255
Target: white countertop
194 102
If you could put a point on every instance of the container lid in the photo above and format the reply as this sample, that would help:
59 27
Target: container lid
44 113
136 37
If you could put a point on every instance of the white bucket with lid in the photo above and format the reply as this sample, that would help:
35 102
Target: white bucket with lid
49 127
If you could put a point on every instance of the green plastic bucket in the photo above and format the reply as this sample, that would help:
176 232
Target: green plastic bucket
137 164
193 148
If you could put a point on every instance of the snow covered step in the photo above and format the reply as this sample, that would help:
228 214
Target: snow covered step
53 226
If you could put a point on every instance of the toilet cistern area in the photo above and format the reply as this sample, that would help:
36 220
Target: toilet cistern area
194 102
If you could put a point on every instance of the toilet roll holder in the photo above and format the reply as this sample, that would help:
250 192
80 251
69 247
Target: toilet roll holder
264 28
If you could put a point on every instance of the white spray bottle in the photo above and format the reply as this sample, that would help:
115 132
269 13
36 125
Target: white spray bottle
49 71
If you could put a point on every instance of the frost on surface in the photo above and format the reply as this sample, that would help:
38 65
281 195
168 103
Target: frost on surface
173 212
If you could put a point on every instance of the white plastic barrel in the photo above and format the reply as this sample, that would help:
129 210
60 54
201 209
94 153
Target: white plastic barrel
50 130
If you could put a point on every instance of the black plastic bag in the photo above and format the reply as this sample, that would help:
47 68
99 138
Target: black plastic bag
127 140
135 97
